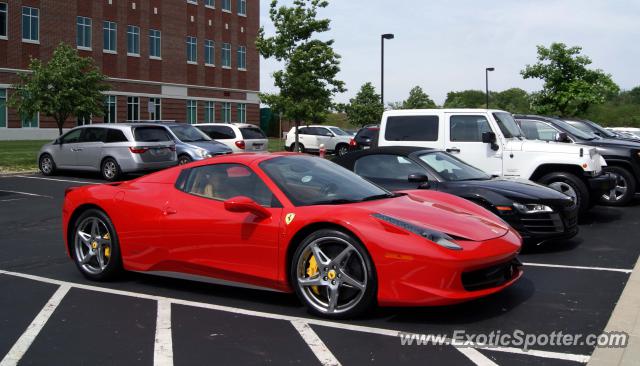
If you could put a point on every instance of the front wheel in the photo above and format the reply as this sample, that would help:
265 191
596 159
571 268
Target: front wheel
333 275
47 165
571 186
624 190
342 150
184 159
95 247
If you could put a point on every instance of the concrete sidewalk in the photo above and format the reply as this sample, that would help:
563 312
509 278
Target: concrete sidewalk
625 318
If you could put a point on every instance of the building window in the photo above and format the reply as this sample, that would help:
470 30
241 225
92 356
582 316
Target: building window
3 20
30 24
193 2
226 55
192 111
84 32
155 109
133 40
209 52
192 50
110 113
3 108
242 7
242 113
226 5
84 120
110 32
155 43
133 109
210 3
209 112
242 58
226 112
30 121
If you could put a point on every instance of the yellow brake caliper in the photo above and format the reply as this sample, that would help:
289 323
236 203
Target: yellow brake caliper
312 271
107 249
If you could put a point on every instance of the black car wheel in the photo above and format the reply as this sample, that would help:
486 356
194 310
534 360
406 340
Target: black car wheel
47 165
300 147
95 247
624 190
110 169
184 159
342 149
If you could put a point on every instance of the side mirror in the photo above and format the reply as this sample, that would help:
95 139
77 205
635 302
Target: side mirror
421 178
562 137
57 141
245 204
490 138
328 134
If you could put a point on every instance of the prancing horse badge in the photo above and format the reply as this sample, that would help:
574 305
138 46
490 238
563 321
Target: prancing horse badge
289 218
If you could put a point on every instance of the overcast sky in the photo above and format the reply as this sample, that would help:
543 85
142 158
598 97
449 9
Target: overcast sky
445 45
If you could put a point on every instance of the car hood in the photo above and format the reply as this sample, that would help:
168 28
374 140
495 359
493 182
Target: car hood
547 147
434 212
213 147
615 143
520 190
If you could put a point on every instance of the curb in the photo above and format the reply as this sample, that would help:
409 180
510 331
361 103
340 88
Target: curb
625 318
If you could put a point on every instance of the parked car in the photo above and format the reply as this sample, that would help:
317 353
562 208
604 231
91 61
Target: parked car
111 149
366 138
594 128
622 157
240 137
632 132
193 144
293 223
335 140
492 141
538 213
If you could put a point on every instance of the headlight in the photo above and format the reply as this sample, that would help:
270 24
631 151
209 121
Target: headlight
203 153
532 208
435 236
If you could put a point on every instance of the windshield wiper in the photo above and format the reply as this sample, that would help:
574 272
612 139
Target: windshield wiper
378 197
337 201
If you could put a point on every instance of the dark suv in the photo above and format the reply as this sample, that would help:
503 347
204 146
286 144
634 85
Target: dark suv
365 138
622 157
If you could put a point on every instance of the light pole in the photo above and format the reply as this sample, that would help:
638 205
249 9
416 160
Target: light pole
382 38
486 79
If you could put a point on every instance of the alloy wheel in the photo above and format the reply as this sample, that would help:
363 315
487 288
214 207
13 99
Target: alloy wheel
110 169
46 165
93 247
617 192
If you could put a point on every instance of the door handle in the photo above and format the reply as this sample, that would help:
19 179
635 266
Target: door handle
453 150
169 211
76 149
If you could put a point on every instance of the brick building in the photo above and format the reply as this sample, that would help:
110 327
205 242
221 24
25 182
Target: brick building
184 60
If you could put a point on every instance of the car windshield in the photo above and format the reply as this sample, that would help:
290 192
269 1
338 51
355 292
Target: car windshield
507 125
339 131
596 127
574 131
452 169
189 133
309 181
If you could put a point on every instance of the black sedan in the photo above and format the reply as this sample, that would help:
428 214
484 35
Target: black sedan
538 213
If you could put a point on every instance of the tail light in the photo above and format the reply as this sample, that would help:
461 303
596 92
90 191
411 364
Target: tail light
138 150
240 144
353 142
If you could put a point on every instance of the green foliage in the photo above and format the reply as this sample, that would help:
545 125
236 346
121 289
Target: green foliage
465 99
418 99
365 108
570 88
514 100
308 80
622 110
68 85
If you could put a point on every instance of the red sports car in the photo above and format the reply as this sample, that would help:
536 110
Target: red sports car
292 222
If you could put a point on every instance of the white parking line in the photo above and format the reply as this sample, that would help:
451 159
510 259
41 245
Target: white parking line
163 346
316 344
578 267
476 357
324 323
52 179
26 193
26 339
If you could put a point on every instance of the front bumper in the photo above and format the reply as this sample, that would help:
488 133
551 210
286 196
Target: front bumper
602 183
560 224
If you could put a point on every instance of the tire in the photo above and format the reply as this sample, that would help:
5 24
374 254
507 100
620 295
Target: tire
300 147
353 279
184 159
88 248
110 170
47 165
342 150
571 185
625 189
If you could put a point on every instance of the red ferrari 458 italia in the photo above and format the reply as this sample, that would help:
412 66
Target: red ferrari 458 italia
293 223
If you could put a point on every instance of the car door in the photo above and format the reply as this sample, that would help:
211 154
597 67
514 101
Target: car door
326 137
207 239
463 139
389 171
307 137
65 151
89 151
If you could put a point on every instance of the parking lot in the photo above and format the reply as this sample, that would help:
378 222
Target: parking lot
52 315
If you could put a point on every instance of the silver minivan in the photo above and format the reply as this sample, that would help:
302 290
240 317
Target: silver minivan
111 149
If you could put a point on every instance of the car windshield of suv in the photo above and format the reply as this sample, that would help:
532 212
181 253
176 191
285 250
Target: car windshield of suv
189 133
452 169
507 125
339 131
252 133
367 133
600 129
309 181
574 131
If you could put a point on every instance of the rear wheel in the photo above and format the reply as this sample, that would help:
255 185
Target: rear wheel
333 275
625 188
184 159
300 147
110 169
47 165
570 185
95 248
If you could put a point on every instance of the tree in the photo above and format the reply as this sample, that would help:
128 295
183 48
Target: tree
569 86
365 108
514 100
418 99
465 99
68 85
308 80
